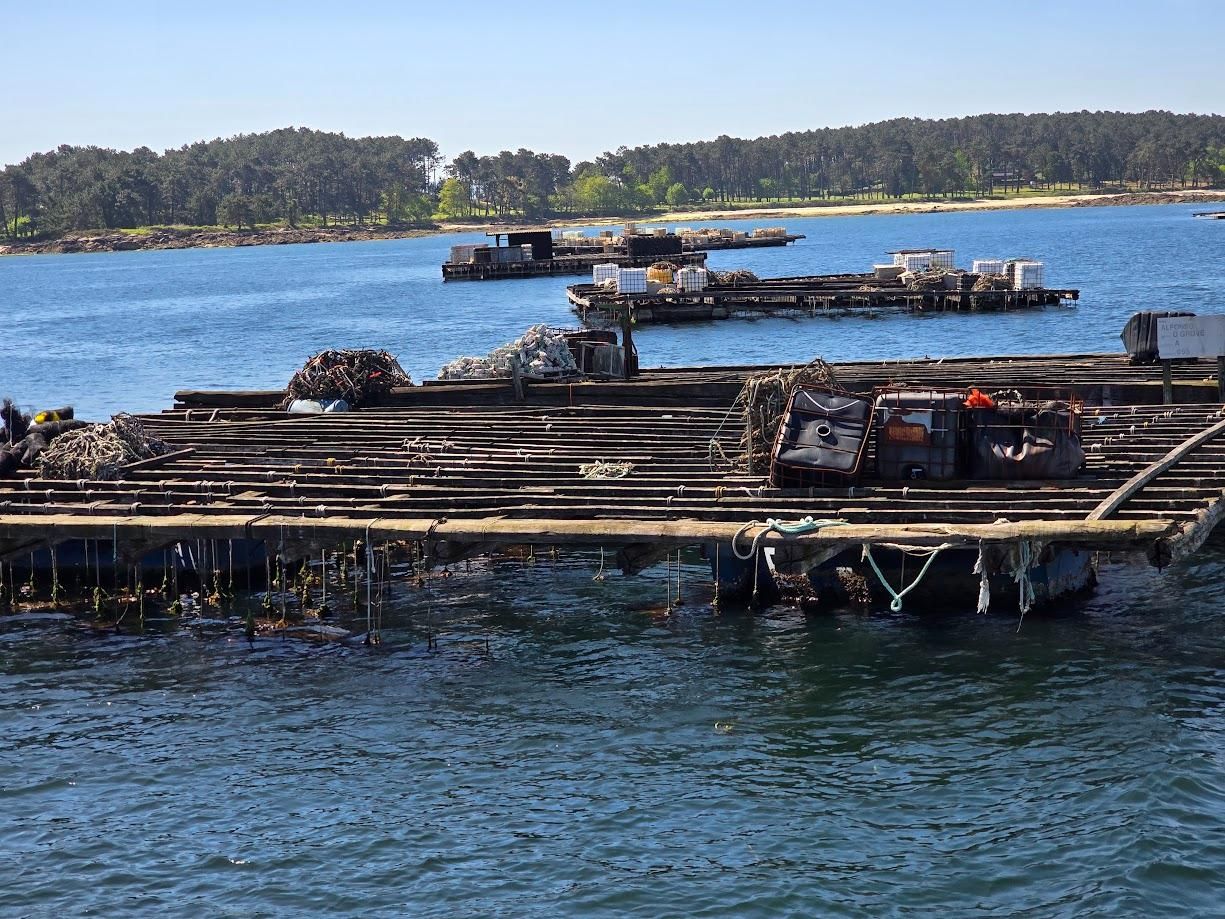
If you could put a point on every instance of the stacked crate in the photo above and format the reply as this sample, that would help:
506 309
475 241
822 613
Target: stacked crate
691 279
1026 275
605 272
631 280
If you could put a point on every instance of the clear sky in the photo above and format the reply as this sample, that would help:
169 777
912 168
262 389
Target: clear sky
583 76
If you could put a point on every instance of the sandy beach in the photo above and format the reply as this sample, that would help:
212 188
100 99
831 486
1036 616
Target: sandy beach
934 207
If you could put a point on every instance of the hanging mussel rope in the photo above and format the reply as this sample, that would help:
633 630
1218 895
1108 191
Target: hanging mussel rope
99 451
360 377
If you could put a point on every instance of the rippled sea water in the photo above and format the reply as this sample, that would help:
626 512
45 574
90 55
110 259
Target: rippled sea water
528 741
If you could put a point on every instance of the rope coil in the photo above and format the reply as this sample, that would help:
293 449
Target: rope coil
806 525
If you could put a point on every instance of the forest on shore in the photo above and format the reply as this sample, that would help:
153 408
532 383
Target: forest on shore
300 177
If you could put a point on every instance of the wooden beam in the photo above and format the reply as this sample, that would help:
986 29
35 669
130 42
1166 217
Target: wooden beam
1194 534
1125 491
610 531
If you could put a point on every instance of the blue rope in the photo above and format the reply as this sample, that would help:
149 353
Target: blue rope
807 525
896 603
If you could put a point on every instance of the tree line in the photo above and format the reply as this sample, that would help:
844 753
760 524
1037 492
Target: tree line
296 174
292 174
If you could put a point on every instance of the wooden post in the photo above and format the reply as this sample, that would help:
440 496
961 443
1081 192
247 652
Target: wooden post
1167 383
748 439
516 379
1220 378
627 340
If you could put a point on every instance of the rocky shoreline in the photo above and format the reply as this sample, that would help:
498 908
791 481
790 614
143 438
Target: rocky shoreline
207 239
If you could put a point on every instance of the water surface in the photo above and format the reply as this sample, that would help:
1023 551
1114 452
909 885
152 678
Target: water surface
567 750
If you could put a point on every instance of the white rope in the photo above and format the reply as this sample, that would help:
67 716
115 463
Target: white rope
605 470
1020 574
984 581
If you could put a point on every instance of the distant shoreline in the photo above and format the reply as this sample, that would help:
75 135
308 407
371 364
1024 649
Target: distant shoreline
187 238
1114 199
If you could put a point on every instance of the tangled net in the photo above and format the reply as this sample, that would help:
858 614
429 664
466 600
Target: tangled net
991 282
732 278
99 451
667 266
931 279
761 403
360 377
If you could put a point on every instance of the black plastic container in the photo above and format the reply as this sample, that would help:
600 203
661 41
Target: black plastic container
821 439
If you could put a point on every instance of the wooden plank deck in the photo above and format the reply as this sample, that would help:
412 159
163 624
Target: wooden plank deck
690 244
801 297
568 264
1104 379
509 474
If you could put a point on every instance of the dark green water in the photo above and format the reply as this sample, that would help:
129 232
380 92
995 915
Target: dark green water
566 750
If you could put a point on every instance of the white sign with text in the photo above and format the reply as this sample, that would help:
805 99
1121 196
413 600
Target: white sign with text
1191 336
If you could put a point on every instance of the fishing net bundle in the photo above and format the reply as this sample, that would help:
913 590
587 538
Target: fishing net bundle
732 278
761 403
991 282
360 377
539 351
930 279
99 452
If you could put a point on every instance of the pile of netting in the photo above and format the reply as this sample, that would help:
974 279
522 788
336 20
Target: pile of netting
991 282
931 279
732 278
360 377
760 405
541 351
99 451
667 266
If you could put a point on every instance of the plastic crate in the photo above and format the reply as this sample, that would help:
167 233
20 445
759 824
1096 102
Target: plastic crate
920 433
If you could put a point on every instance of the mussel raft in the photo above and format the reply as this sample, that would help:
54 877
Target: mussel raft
642 468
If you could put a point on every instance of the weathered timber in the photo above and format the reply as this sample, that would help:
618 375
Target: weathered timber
802 297
468 477
595 245
1103 379
544 531
569 264
1133 485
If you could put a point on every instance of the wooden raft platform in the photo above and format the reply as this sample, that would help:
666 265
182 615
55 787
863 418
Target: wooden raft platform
567 264
689 244
470 479
825 295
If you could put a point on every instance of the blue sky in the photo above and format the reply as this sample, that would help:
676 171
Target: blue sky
492 76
